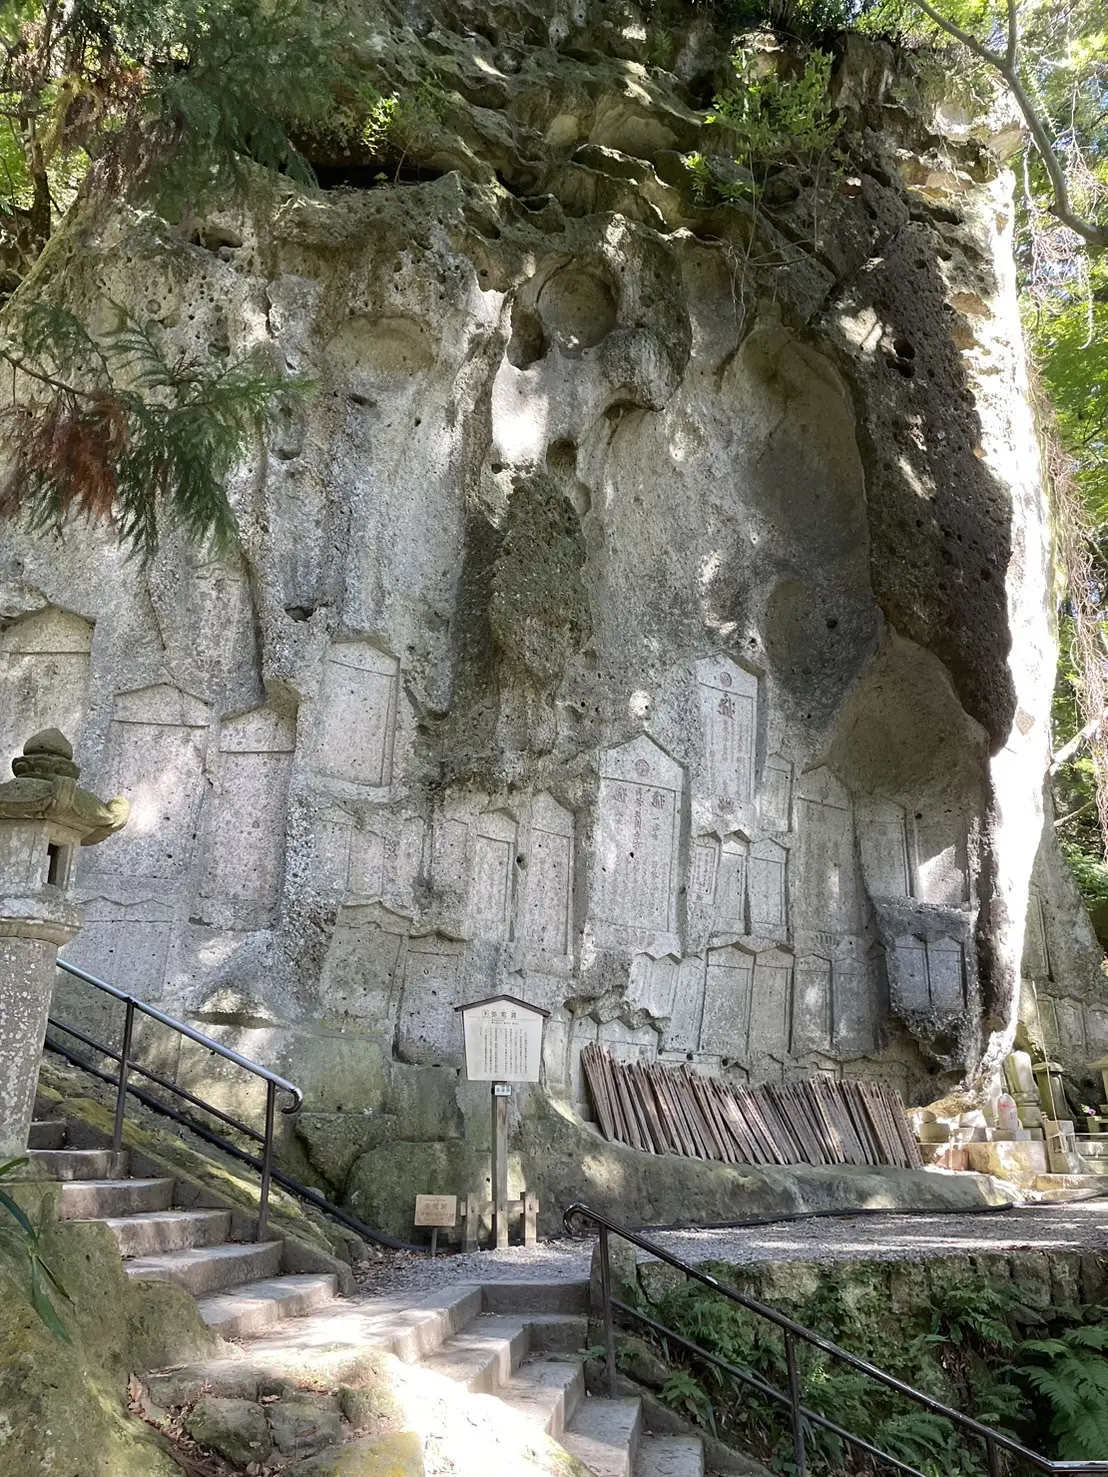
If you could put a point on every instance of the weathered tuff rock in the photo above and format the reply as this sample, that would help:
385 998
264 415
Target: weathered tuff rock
649 613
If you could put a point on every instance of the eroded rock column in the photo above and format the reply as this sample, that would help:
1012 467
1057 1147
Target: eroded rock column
44 817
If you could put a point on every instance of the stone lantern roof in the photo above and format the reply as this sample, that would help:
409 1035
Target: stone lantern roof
45 789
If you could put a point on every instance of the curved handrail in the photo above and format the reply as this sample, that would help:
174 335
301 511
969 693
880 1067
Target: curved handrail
280 1083
578 1214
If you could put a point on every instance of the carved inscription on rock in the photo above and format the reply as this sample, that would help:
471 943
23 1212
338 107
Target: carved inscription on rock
428 1032
768 894
725 1027
829 897
730 909
157 745
494 851
941 858
246 829
548 881
356 723
929 974
812 1023
729 723
44 678
1036 959
883 838
636 837
775 799
771 1007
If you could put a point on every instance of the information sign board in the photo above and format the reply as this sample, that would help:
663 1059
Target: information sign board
503 1039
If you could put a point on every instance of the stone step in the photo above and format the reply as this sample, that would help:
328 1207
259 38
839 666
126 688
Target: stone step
557 1333
169 1230
97 1200
604 1434
79 1164
414 1331
546 1391
485 1356
536 1297
46 1134
243 1312
207 1269
670 1456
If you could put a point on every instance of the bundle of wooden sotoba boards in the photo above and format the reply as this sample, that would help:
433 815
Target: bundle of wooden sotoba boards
819 1120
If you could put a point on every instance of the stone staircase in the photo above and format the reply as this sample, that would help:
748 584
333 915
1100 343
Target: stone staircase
239 1286
521 1343
517 1345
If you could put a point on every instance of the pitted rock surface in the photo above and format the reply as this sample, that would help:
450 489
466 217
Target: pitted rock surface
647 615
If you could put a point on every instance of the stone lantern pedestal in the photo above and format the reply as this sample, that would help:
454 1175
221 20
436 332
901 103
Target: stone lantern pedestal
44 817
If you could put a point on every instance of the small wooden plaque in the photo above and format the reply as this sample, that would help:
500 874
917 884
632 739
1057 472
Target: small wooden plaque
436 1210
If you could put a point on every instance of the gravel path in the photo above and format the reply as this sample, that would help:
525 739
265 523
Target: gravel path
1080 1226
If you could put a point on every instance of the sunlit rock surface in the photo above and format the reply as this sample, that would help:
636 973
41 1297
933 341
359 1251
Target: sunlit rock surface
648 614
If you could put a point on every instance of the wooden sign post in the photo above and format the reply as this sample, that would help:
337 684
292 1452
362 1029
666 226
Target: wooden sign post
503 1044
436 1211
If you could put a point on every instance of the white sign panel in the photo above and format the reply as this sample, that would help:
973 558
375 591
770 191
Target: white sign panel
503 1041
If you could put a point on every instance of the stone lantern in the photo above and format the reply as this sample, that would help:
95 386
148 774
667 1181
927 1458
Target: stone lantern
44 817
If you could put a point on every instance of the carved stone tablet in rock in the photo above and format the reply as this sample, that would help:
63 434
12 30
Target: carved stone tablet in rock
826 894
775 795
157 745
491 884
771 1006
730 915
883 841
44 677
858 989
547 910
245 832
812 1022
683 1030
427 1030
767 890
729 725
1036 958
356 720
946 974
635 866
726 1025
941 858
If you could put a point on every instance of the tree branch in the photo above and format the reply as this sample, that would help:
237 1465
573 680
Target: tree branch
1091 233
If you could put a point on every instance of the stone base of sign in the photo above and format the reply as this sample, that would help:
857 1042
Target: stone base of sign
476 1207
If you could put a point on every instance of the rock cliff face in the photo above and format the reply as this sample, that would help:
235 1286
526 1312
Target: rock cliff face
648 615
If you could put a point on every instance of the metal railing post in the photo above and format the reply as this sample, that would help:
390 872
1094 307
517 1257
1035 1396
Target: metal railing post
795 1415
609 1327
124 1071
992 1457
267 1159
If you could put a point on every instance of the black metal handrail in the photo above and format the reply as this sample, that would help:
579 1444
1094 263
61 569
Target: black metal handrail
575 1221
274 1083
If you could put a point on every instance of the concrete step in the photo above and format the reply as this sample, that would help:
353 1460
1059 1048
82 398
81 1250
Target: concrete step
484 1357
79 1164
169 1230
547 1391
604 1434
243 1312
207 1269
46 1134
97 1200
670 1456
536 1297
